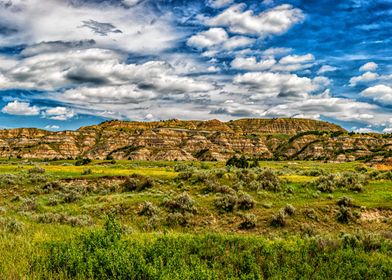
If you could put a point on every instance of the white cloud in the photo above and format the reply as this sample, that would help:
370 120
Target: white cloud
219 3
296 59
217 39
52 127
59 113
94 68
332 107
370 66
379 93
326 68
276 84
274 21
366 77
387 130
209 38
364 130
288 63
21 109
126 94
276 51
237 42
141 29
251 63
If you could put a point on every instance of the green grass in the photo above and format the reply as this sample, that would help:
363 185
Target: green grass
40 227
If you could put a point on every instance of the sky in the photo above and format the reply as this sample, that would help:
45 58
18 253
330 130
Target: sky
71 63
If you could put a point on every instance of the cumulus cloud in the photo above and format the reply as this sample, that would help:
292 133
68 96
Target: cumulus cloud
109 95
217 39
276 84
21 109
209 38
132 28
96 67
251 63
288 63
296 59
219 3
276 51
379 93
370 66
59 113
326 68
274 21
332 107
52 127
366 77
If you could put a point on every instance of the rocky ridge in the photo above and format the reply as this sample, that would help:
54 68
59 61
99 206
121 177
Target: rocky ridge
198 140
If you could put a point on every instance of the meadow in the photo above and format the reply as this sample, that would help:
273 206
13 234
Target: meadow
111 219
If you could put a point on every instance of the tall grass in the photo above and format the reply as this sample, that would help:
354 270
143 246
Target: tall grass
105 254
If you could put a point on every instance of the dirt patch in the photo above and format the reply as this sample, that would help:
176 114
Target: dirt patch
375 216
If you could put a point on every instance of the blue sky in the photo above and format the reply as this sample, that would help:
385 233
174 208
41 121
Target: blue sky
70 63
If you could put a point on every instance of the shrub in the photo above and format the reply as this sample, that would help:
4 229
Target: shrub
11 225
182 203
28 205
36 170
269 181
52 186
311 214
226 202
64 219
249 222
289 209
177 219
148 209
278 220
344 215
241 162
83 161
87 171
152 223
307 230
326 183
180 167
345 201
9 180
71 196
352 181
347 180
137 183
245 201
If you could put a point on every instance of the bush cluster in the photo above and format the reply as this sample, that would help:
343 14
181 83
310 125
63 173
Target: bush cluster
138 183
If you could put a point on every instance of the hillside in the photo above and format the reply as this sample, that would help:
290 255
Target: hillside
198 140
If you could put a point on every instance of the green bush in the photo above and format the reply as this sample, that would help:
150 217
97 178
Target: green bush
137 183
279 219
83 161
182 203
289 210
226 202
11 225
345 215
36 170
245 201
104 254
248 222
148 209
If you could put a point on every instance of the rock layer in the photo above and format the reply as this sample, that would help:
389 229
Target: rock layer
198 140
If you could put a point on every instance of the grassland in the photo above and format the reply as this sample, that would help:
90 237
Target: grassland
194 220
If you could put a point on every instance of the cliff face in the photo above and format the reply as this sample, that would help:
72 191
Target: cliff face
197 140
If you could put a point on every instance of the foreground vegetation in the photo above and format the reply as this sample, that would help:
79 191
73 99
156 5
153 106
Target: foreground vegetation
192 220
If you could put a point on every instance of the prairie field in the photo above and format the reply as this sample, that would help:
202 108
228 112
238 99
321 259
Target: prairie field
194 220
